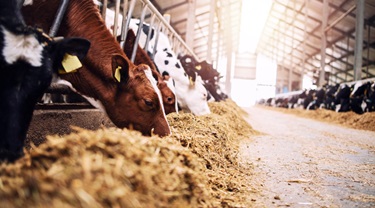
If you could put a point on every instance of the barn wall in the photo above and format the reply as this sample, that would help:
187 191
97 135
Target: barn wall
282 80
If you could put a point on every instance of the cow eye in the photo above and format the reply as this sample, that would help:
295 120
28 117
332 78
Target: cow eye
149 103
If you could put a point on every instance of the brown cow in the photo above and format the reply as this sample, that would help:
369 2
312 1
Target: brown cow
132 100
169 97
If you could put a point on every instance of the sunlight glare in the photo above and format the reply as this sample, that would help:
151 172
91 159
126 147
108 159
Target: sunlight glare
253 17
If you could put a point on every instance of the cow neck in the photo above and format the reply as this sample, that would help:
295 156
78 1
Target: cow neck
82 19
87 23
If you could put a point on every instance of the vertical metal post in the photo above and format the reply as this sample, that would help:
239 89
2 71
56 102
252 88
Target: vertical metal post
211 31
57 21
139 32
228 79
190 23
117 12
156 40
149 32
125 5
218 47
306 14
368 48
347 59
104 8
359 39
125 27
323 43
291 69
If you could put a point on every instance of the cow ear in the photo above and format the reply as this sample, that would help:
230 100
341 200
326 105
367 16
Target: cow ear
68 53
120 68
75 46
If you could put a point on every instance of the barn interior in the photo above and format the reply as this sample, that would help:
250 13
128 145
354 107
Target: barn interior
237 155
274 47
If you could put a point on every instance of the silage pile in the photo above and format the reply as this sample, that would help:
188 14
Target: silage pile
364 121
194 167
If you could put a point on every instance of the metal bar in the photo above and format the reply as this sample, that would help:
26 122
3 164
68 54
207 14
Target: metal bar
189 38
57 21
347 58
218 48
340 18
117 12
125 5
306 10
359 39
211 31
169 27
323 43
156 40
63 106
149 32
104 8
139 32
368 47
125 27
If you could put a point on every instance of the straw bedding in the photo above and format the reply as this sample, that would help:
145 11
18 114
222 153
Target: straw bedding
194 167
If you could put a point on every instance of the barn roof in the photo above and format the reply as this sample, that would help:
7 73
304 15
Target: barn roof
292 34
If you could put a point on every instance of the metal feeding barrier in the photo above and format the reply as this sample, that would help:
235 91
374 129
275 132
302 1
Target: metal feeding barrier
147 14
157 21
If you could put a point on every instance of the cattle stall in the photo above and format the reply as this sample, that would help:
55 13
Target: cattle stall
61 107
146 133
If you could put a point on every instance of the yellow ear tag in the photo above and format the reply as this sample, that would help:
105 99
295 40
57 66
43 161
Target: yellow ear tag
191 81
118 74
199 67
71 63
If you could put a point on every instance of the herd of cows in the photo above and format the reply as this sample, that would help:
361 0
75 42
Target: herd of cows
87 58
358 97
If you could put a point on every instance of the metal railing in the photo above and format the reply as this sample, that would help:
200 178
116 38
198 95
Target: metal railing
157 20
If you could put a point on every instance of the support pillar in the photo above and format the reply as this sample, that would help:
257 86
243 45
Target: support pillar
359 39
211 31
323 43
190 24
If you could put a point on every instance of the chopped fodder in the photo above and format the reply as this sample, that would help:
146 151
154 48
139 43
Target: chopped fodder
351 119
194 167
215 138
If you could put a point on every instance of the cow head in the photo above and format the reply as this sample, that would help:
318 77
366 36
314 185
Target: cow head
191 95
130 101
140 96
27 69
166 89
208 74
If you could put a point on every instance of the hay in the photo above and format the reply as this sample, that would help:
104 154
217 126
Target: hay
349 119
194 167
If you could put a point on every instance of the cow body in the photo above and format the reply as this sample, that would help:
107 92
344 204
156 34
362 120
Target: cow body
359 96
126 92
191 96
28 60
207 73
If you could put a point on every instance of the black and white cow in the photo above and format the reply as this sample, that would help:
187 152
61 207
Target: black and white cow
28 60
342 98
191 96
370 98
329 101
208 74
